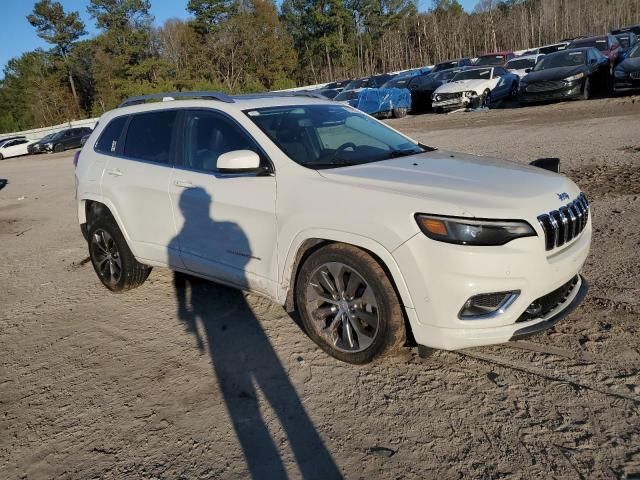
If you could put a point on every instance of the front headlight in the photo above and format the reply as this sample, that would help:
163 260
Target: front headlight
48 145
574 77
469 231
437 98
619 73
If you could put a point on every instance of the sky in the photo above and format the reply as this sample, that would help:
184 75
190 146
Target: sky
17 36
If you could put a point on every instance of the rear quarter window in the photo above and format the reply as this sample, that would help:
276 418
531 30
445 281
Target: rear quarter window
108 141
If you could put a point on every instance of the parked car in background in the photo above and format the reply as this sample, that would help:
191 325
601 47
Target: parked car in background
14 148
546 49
479 86
627 41
629 28
337 85
16 137
374 81
84 139
626 75
491 59
39 146
574 73
422 88
522 65
449 64
66 139
608 46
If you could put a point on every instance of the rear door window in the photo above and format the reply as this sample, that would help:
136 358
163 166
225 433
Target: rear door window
149 136
110 137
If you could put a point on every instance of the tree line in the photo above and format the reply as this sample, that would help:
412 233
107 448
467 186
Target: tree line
252 45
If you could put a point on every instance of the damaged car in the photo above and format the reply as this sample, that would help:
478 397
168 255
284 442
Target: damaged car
626 76
523 65
477 87
422 88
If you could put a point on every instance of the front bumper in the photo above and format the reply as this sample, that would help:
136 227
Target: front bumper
568 92
442 277
456 103
626 85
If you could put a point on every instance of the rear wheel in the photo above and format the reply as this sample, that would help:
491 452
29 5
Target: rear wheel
400 112
348 305
58 148
486 98
1 157
112 260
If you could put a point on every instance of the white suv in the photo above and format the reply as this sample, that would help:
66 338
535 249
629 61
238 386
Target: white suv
376 240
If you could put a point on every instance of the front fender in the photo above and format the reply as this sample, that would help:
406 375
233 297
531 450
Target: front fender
385 256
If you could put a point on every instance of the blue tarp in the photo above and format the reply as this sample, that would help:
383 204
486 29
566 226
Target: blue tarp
381 100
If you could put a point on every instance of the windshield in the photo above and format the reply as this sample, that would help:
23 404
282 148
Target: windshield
477 74
521 64
360 83
398 82
346 95
552 48
624 40
600 44
445 75
329 136
445 66
490 60
567 58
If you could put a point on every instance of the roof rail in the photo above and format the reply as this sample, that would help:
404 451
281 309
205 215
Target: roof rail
298 93
222 97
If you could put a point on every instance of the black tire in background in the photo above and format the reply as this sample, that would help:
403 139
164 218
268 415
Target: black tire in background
58 148
400 112
378 330
586 89
112 260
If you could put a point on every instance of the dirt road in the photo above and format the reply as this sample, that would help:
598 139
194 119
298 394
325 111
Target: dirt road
96 385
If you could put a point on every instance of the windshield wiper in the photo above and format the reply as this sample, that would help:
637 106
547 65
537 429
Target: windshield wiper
333 163
402 153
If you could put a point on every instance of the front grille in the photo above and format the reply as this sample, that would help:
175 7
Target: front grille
563 225
545 86
547 303
635 75
449 96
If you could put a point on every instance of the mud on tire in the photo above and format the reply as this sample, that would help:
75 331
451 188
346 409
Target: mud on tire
342 294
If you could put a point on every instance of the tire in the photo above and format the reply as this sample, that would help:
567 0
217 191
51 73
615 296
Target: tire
348 305
486 98
58 148
1 157
514 91
400 112
112 260
586 90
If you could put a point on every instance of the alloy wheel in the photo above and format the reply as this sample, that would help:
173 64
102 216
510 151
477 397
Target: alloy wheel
342 307
106 257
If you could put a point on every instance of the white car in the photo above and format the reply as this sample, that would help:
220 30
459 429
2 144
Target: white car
14 148
373 237
474 88
521 66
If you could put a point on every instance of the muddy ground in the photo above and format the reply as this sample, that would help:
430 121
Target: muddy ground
97 385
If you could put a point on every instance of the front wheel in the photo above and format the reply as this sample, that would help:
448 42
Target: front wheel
486 98
348 305
400 112
112 260
58 148
586 90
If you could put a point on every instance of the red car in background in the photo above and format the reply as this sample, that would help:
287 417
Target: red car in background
608 45
493 59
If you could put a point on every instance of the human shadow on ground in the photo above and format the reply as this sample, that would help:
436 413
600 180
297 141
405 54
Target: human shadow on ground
242 356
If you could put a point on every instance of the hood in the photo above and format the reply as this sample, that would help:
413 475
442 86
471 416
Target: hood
449 183
630 65
521 72
465 85
553 74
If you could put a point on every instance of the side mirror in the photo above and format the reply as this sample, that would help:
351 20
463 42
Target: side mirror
238 161
551 164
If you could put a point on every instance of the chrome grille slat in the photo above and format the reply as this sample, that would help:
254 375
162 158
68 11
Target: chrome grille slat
565 224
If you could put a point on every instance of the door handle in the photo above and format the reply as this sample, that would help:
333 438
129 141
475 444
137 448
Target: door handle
184 184
115 172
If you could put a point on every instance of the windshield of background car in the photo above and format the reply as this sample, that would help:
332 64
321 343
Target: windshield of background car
490 60
445 66
445 75
346 95
326 136
521 64
635 52
624 40
567 58
479 74
361 83
398 82
600 44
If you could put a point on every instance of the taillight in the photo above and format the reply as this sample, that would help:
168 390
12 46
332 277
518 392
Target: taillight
76 157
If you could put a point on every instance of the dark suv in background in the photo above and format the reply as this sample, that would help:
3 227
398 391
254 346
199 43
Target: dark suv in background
66 139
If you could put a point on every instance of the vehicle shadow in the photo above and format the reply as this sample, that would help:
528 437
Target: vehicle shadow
243 359
3 183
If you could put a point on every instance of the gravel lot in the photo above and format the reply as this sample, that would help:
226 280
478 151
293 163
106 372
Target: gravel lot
97 385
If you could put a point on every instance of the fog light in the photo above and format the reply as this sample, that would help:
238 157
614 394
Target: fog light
487 305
